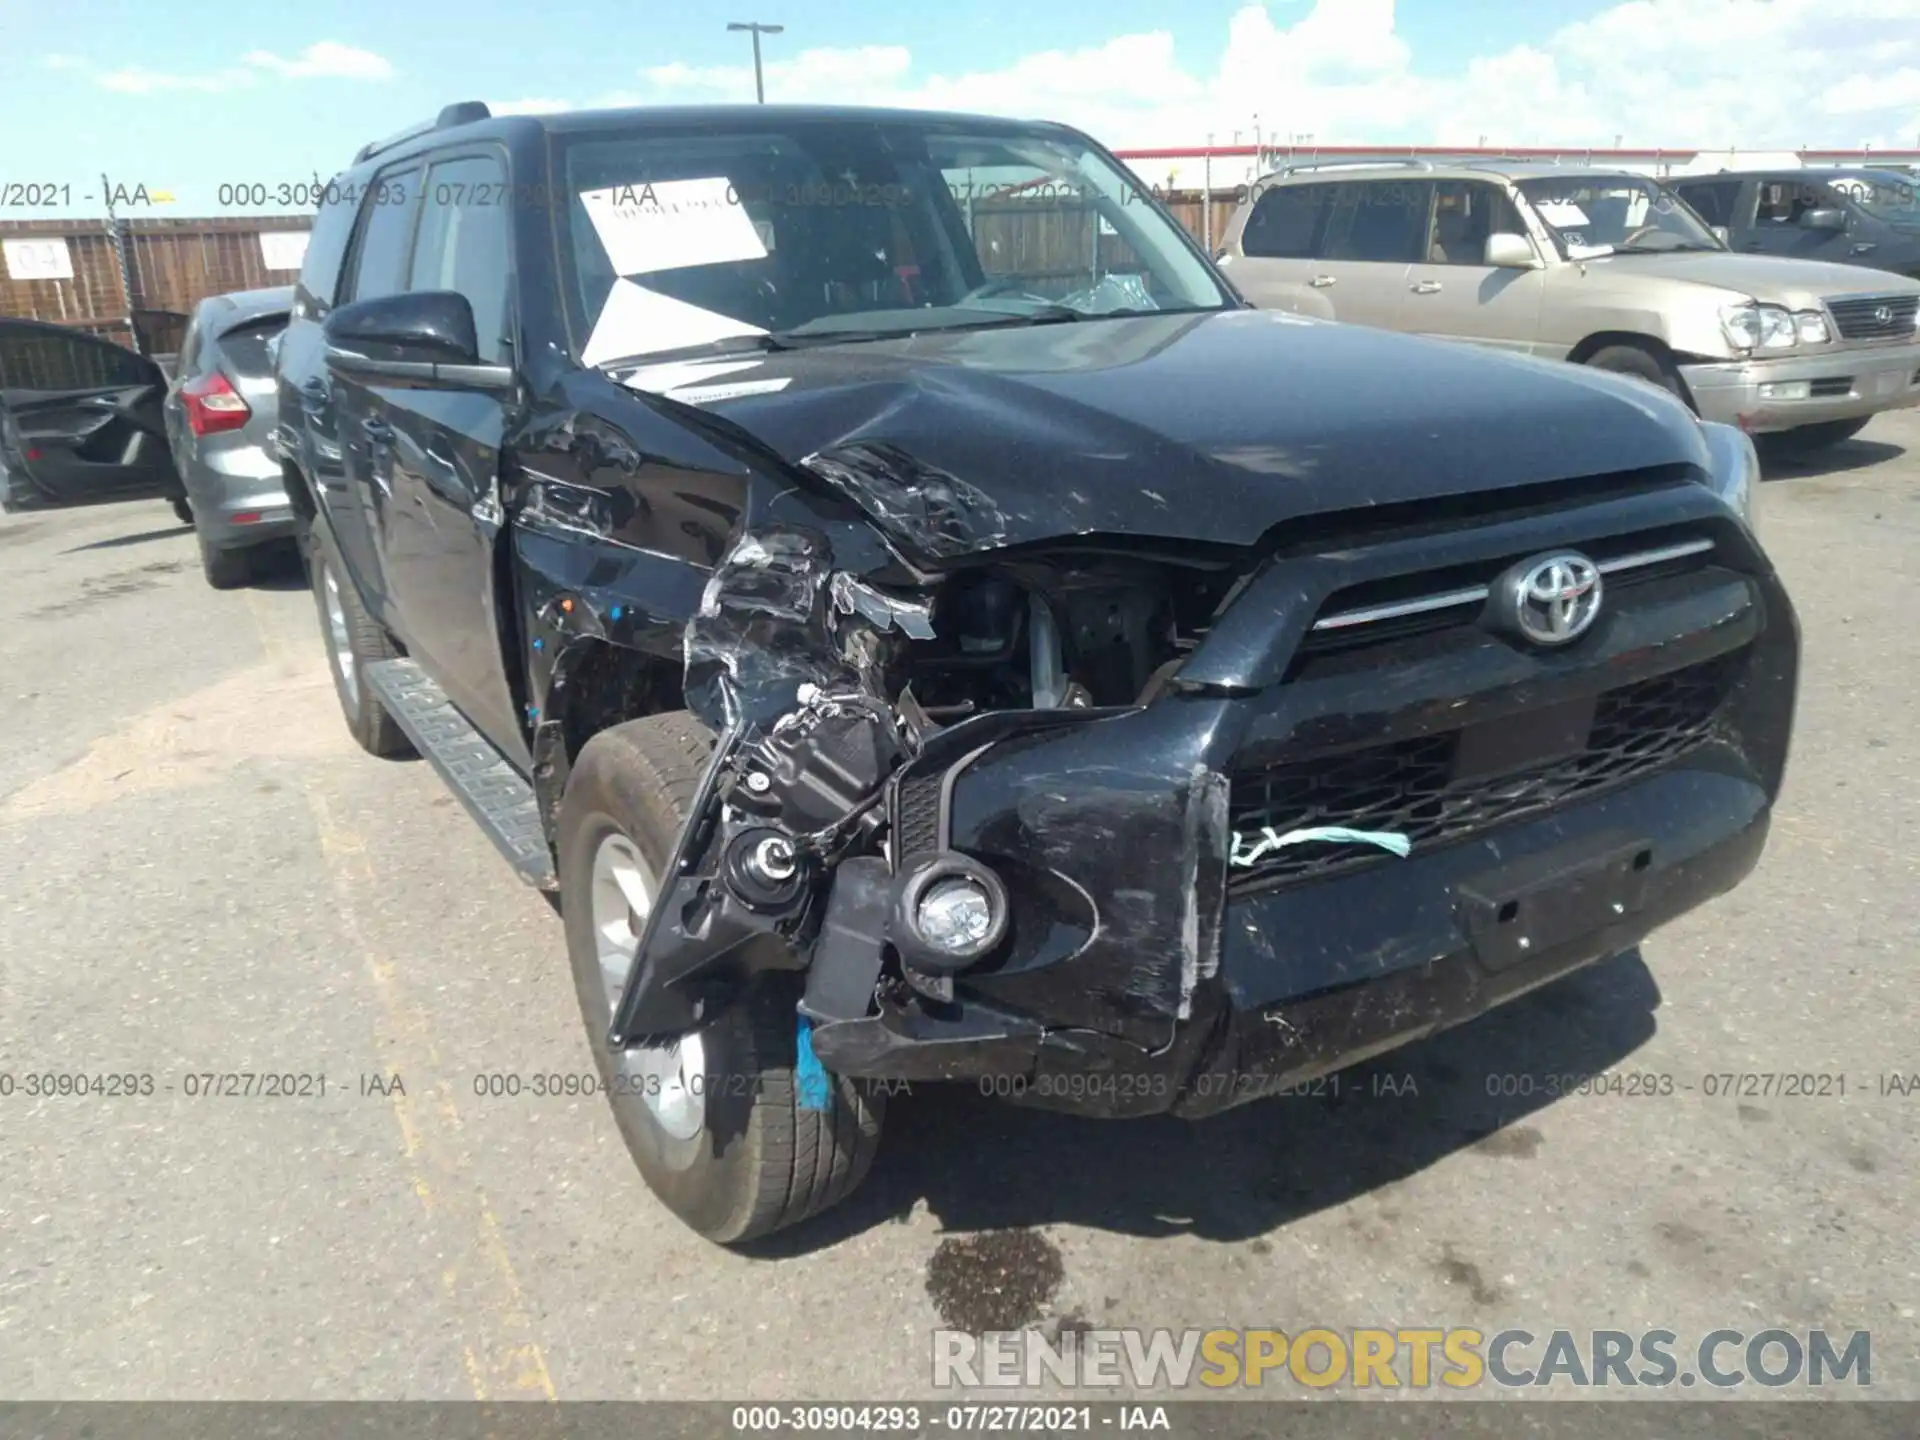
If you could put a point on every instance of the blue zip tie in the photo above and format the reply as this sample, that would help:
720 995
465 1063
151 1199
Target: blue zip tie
815 1090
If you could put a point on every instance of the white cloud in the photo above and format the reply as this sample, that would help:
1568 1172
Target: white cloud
62 62
137 80
1682 73
325 58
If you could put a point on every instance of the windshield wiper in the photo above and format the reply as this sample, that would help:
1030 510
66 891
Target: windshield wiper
725 345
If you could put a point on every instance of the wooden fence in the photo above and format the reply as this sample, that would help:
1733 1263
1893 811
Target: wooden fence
137 282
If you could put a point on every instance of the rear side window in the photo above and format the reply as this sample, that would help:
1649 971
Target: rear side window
1713 200
1284 220
1379 220
245 346
465 244
387 212
326 248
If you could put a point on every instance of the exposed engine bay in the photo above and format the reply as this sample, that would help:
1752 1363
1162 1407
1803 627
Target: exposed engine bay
821 686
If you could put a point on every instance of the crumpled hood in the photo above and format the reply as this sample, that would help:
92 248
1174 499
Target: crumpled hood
1775 279
1209 428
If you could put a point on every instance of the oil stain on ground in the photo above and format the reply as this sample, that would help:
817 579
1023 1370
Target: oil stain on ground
1517 1142
1466 1274
106 587
997 1280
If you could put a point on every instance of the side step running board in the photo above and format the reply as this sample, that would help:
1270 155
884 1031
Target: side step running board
495 794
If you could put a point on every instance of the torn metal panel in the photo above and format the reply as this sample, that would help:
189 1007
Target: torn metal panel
931 512
913 618
762 631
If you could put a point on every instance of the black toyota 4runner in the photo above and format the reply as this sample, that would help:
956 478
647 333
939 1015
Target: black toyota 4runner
921 624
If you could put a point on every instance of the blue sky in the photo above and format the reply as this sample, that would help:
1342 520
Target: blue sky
186 100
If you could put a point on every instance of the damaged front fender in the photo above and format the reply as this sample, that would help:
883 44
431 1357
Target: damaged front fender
1097 835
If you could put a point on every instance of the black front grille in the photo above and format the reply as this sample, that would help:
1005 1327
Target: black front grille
1828 389
1875 317
1408 787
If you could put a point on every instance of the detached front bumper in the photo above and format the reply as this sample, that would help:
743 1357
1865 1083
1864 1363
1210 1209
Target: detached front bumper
1762 396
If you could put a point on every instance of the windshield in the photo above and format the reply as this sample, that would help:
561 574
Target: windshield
1598 215
1887 195
843 230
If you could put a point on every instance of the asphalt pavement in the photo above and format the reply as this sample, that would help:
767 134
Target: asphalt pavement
201 877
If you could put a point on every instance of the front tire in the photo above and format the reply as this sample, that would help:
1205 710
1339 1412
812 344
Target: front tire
354 640
718 1123
1640 364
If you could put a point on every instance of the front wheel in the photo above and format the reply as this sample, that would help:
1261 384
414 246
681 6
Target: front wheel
1640 364
728 1130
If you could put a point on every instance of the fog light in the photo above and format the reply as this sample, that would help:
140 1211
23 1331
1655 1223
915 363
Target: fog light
954 915
1786 389
948 912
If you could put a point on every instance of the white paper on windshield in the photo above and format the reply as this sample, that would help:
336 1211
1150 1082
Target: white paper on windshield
696 381
1563 214
636 321
671 223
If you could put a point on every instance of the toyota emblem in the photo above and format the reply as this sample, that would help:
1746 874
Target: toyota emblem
1550 599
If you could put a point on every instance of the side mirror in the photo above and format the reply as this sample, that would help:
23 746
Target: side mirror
1824 220
421 337
1508 251
1722 234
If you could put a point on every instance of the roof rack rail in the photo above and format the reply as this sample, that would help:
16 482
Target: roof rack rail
463 112
1350 163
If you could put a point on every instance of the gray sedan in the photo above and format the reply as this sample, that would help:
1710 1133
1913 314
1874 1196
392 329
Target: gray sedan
220 413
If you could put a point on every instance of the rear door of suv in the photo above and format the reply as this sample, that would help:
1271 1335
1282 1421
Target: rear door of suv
1374 234
359 411
80 419
1272 258
1339 249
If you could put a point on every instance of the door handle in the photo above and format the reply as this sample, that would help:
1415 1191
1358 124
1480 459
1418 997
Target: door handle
1426 287
1321 282
377 430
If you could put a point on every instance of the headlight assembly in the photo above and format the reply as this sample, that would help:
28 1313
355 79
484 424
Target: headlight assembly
1813 327
1757 327
1734 473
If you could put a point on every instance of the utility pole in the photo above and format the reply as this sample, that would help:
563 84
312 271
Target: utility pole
756 29
1206 200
